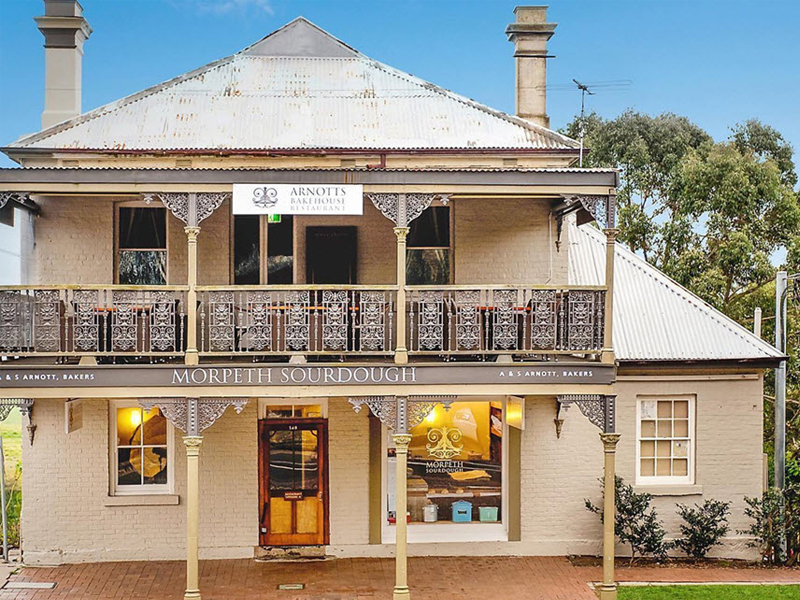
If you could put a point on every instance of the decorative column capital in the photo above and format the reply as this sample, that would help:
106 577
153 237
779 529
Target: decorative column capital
192 443
401 441
611 233
609 441
401 233
191 232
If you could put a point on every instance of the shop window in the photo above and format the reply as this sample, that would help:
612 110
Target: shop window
665 445
428 248
140 450
142 245
455 467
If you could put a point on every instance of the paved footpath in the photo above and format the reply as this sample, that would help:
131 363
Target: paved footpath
544 578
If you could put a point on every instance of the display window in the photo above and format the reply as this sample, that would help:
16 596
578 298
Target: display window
455 473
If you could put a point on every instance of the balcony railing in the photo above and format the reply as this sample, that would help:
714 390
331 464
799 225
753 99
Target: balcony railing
505 320
342 321
92 320
297 320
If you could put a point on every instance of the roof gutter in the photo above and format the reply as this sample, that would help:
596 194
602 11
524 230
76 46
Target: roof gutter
290 151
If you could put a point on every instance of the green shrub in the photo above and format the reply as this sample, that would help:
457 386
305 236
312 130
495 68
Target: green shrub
636 522
775 515
703 527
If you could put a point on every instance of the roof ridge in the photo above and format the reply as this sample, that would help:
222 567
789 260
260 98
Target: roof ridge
680 291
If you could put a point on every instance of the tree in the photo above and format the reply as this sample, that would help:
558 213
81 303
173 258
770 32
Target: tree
710 215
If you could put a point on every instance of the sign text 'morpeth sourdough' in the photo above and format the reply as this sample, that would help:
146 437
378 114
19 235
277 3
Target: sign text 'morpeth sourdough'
301 375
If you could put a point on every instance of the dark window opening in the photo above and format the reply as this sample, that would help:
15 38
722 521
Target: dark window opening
246 250
280 251
142 235
428 253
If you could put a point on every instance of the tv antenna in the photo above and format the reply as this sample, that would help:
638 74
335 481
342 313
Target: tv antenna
584 90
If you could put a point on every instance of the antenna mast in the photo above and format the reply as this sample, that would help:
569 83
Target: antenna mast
584 90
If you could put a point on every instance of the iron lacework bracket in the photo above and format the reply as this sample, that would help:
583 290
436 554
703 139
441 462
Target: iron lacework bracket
602 209
598 408
193 415
25 406
191 208
400 413
401 209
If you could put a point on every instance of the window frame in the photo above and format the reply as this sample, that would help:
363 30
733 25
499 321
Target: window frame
689 478
117 249
450 247
263 249
156 489
445 531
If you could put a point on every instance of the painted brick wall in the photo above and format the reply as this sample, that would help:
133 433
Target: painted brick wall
349 469
73 241
213 249
66 475
507 241
377 246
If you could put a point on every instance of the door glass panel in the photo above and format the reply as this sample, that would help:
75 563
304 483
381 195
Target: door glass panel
293 461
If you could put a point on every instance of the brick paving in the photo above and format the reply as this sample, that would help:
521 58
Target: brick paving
545 578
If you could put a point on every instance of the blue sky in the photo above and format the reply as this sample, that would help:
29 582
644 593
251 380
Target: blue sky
718 62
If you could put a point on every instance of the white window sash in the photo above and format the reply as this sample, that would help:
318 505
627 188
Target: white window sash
689 478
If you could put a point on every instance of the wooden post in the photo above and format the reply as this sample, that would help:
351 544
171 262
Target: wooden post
192 356
401 351
608 312
401 592
192 443
608 589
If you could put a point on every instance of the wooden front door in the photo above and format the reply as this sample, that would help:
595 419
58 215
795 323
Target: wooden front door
293 482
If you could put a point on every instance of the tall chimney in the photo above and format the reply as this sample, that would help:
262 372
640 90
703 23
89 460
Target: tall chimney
64 30
529 34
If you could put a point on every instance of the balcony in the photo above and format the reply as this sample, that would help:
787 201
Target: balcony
261 323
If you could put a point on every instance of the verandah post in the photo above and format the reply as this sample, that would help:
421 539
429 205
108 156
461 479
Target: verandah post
608 589
401 350
192 356
401 591
192 443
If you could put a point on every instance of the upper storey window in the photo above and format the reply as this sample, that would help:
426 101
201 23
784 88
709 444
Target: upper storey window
142 245
428 254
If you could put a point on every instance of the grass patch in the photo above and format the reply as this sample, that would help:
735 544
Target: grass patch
711 592
11 430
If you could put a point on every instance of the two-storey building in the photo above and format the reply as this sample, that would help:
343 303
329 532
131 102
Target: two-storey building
395 291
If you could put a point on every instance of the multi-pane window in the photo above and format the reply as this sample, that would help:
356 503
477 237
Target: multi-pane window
666 440
140 449
428 248
142 245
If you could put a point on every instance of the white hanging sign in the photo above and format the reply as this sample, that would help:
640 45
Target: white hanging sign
298 199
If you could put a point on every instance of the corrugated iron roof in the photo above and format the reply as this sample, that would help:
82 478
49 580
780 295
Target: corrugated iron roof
655 318
297 88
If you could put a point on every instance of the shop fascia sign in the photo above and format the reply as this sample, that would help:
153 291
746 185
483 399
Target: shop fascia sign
300 375
298 199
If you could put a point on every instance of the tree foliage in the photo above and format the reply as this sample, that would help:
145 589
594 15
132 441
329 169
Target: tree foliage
710 215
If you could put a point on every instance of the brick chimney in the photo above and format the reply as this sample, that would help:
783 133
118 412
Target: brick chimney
529 34
64 30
